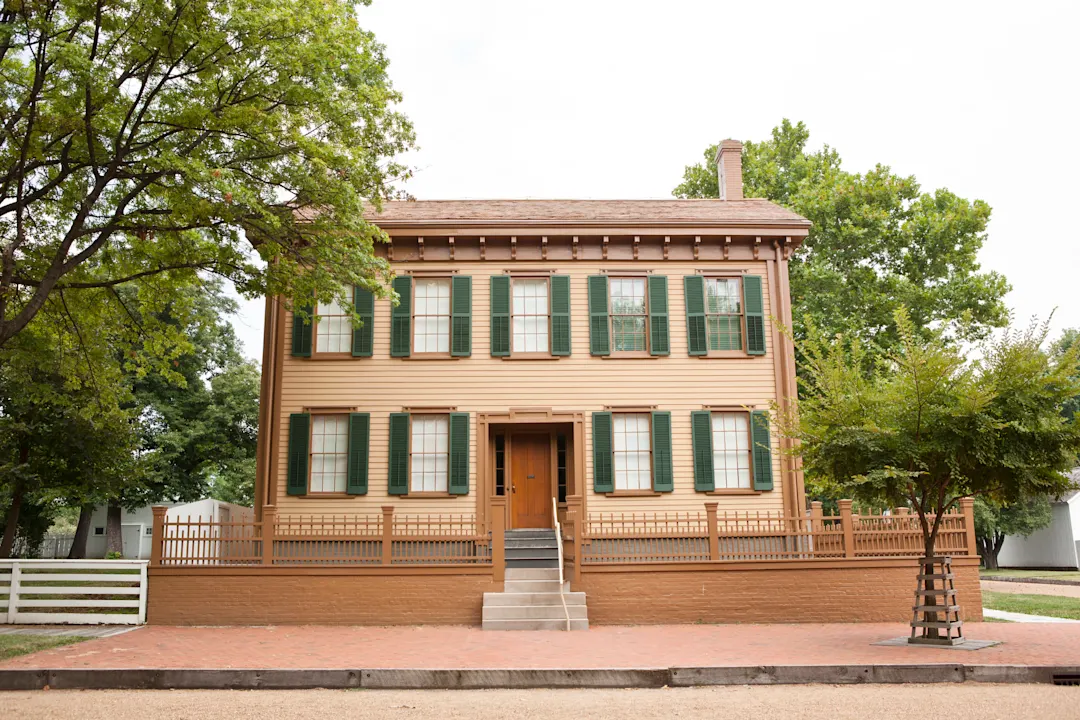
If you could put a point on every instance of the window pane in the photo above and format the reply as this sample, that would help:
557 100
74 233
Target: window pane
628 333
725 332
431 323
722 296
632 456
530 322
628 296
731 453
430 453
329 453
333 333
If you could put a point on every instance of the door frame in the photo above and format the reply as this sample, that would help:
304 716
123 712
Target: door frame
553 468
538 417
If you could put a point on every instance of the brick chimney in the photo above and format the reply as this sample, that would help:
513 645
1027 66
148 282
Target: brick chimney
729 169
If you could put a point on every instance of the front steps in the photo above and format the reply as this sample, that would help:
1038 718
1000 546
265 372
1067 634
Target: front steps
532 598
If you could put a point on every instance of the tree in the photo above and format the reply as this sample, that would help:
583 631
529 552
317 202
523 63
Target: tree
1069 340
994 522
925 426
877 243
152 139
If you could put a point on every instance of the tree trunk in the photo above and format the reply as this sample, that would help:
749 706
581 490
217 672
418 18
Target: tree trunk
82 532
927 568
11 521
114 541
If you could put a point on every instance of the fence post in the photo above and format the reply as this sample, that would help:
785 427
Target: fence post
157 535
714 531
13 592
849 528
269 521
967 506
574 509
498 539
387 534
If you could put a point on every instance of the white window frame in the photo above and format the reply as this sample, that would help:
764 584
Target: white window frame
417 316
636 454
334 325
339 454
434 476
721 472
514 315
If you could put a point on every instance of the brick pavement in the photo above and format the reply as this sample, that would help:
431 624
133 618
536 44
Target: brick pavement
601 647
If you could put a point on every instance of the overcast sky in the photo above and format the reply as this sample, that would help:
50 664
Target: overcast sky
592 99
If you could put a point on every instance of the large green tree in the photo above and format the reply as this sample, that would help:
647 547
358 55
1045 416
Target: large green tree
926 426
154 138
1069 339
878 242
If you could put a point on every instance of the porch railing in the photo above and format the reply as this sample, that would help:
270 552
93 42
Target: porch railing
715 536
292 540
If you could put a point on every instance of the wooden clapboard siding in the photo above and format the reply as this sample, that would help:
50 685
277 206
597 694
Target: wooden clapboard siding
582 383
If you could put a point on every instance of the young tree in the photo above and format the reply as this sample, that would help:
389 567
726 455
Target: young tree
150 138
878 242
994 522
925 426
1069 339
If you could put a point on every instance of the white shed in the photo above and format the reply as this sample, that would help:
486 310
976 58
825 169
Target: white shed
1055 546
136 527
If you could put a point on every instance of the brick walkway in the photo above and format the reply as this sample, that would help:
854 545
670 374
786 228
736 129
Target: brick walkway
601 647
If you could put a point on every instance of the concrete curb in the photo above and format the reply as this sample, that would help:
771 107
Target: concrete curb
1031 581
416 679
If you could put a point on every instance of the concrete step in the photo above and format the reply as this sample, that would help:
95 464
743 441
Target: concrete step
532 553
531 586
534 624
532 543
554 598
545 564
534 612
532 573
531 532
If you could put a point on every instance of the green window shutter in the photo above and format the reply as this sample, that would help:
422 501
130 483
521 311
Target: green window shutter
696 338
560 314
299 439
659 337
459 454
754 306
461 316
663 479
401 319
762 454
302 331
500 315
359 440
599 324
602 460
398 479
363 337
701 429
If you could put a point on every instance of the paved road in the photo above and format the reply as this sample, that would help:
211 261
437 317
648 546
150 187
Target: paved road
1031 588
810 702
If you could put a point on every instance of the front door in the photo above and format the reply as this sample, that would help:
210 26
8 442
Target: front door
530 480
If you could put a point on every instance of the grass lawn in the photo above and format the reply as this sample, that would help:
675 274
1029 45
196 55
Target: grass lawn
13 645
1051 605
1049 574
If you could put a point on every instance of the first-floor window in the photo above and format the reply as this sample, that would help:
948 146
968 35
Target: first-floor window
429 453
329 452
731 450
633 451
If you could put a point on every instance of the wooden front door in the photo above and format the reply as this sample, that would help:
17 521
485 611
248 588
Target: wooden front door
530 480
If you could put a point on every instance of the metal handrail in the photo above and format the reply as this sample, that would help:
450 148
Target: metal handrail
558 545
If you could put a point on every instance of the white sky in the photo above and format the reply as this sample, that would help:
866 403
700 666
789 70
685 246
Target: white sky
594 99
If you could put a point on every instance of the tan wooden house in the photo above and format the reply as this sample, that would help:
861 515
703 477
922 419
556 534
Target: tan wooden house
572 399
627 352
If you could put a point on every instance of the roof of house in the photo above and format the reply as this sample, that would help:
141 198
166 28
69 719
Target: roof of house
587 212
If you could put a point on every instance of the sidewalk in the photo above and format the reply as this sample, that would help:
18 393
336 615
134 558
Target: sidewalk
604 647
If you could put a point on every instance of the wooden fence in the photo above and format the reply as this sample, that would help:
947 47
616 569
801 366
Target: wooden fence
712 536
320 540
80 592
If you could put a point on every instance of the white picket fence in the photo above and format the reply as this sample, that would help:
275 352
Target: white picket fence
40 592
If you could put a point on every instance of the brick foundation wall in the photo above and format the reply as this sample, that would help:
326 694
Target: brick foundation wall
228 597
847 591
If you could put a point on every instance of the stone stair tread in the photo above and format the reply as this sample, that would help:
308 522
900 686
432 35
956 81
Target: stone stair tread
534 624
537 598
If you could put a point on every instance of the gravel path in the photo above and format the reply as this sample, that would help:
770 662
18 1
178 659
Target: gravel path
827 702
1031 588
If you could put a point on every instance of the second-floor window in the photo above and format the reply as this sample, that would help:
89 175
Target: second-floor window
431 315
530 315
334 332
723 313
629 313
